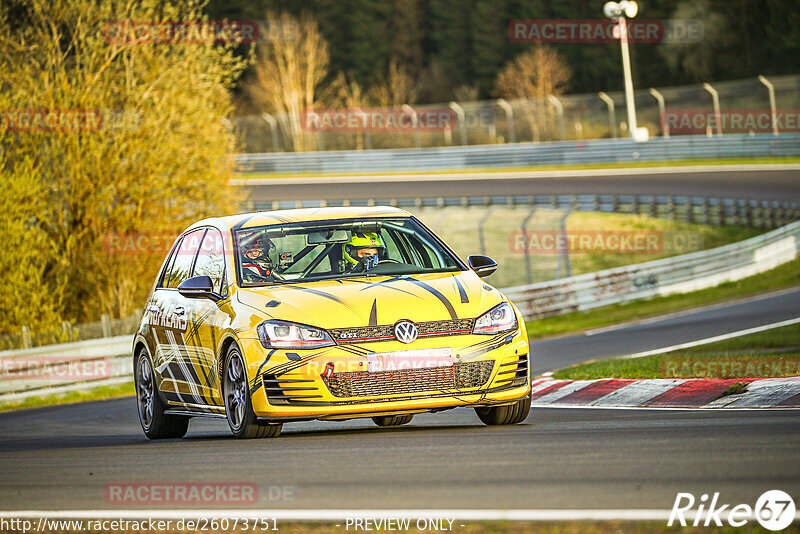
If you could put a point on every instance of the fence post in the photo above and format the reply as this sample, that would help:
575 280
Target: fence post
26 337
462 120
661 112
528 269
559 113
106 320
509 111
612 121
563 252
273 127
481 238
771 89
413 113
715 103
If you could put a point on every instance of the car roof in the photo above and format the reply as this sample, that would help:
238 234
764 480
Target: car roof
266 218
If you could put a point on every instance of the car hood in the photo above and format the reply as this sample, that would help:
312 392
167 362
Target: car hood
381 300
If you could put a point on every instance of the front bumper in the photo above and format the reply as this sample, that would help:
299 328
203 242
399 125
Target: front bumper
289 385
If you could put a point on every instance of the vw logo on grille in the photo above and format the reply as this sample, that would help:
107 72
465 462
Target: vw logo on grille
405 331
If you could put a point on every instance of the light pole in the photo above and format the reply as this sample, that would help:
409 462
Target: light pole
619 12
772 110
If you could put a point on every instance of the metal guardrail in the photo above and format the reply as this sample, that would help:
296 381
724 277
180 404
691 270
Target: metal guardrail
523 154
47 370
679 274
701 210
65 367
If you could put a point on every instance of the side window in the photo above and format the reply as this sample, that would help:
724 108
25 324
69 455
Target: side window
164 277
184 258
211 260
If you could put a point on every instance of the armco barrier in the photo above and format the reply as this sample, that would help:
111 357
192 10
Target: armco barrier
64 367
679 274
523 154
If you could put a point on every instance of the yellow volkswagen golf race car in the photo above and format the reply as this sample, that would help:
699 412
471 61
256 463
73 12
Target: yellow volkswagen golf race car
332 314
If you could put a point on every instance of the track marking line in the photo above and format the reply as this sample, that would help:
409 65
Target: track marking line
688 312
713 339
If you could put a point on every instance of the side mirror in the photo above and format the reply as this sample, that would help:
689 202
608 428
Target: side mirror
482 265
198 287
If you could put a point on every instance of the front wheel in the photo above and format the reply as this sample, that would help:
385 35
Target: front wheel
238 408
155 423
510 414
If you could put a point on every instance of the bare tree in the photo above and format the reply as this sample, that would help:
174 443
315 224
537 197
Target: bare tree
533 76
289 69
396 89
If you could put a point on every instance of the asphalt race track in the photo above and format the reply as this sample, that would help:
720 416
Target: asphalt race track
670 330
62 457
770 184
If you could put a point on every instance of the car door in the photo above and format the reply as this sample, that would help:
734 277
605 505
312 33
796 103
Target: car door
207 316
170 312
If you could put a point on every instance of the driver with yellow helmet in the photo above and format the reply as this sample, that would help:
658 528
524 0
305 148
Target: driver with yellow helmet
363 252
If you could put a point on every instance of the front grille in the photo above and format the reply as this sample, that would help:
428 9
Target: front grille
362 334
364 384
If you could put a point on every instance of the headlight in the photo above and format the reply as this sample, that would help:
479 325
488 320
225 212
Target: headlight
499 319
286 335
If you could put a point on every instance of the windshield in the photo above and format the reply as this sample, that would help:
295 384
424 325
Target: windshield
328 250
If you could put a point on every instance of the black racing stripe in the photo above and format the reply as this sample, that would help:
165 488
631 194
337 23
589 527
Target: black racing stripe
242 222
488 348
436 293
373 314
358 351
461 291
327 296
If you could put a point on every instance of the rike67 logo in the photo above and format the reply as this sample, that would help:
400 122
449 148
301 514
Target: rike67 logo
774 510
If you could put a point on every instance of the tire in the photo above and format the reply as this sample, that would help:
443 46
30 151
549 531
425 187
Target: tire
510 414
238 408
392 420
155 423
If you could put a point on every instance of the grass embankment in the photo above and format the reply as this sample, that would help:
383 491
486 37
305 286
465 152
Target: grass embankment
786 275
587 166
771 353
103 392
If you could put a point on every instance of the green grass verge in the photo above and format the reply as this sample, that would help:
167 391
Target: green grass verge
772 353
104 392
786 275
586 166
